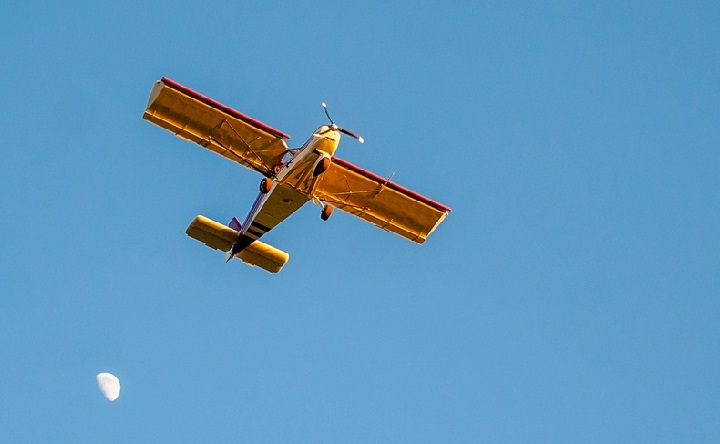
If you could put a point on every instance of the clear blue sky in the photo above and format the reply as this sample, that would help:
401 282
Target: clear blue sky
571 296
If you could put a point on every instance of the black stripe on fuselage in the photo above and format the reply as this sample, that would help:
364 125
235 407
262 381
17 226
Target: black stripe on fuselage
260 227
255 233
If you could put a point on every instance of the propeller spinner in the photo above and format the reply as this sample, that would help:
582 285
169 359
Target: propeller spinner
342 130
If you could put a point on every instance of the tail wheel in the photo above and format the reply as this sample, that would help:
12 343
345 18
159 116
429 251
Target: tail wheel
266 185
326 212
322 166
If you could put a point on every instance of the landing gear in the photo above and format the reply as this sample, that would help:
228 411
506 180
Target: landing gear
266 185
326 212
322 166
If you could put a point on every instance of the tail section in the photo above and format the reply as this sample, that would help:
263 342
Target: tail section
235 224
220 237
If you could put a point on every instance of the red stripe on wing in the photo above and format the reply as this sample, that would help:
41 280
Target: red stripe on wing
392 185
215 104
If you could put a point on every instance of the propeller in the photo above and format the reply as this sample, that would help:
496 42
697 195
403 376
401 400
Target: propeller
333 125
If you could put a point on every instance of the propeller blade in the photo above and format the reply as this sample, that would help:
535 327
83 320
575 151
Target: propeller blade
342 130
352 134
327 113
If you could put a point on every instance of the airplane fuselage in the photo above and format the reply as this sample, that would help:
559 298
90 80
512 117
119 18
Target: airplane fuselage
293 181
300 170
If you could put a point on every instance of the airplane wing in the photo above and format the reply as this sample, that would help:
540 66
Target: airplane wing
206 122
377 200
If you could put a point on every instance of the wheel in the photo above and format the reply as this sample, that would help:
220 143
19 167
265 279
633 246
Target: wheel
326 212
322 166
266 185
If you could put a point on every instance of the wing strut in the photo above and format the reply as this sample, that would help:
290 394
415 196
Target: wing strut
249 145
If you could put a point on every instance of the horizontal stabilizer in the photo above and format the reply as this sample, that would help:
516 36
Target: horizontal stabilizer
220 237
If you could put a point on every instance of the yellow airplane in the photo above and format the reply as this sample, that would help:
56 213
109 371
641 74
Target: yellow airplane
292 177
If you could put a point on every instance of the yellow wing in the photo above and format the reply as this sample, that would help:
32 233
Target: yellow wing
206 122
377 200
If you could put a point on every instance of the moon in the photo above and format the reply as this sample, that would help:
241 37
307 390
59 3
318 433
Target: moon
109 385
